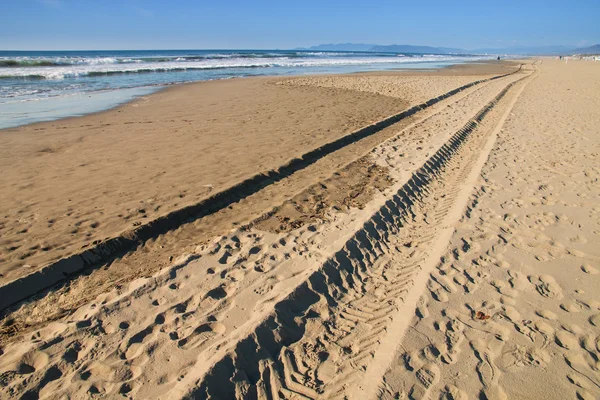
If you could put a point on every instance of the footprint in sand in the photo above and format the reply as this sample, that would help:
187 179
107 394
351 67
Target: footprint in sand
546 286
422 311
517 280
544 330
488 372
235 275
462 280
578 381
31 361
547 314
522 356
504 288
114 373
454 337
570 307
451 392
577 362
201 334
588 269
428 376
589 344
72 353
583 394
574 329
567 340
138 342
437 291
595 320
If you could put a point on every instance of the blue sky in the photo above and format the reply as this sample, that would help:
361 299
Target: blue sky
238 24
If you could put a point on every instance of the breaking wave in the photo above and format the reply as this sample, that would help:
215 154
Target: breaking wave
58 69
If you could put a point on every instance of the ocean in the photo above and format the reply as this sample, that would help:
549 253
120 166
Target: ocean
47 85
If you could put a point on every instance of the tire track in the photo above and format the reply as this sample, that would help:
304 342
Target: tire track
201 310
324 335
65 268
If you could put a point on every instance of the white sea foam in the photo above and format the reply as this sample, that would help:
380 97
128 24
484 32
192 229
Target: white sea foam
35 85
108 65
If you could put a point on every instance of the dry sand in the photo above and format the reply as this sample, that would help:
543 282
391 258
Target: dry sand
336 289
512 310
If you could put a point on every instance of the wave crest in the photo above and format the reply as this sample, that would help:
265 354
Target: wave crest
105 66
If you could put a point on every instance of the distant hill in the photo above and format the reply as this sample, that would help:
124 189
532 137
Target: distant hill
394 48
595 49
407 48
339 47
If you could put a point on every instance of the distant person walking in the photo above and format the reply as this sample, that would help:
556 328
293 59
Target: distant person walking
498 59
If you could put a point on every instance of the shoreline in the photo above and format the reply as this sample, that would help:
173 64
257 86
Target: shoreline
456 68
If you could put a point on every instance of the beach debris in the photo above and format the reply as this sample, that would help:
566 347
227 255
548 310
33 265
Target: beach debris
480 315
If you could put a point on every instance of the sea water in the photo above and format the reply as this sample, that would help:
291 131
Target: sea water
46 85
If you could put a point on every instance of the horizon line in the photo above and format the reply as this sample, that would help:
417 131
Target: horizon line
298 48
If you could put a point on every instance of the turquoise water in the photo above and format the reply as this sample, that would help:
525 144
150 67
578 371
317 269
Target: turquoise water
43 86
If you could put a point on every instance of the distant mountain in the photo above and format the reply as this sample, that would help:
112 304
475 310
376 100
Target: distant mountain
394 48
339 47
406 48
595 49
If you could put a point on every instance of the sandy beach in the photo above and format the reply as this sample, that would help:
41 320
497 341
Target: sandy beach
395 235
70 183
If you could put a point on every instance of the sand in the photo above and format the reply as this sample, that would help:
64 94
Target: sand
449 255
70 184
148 175
511 311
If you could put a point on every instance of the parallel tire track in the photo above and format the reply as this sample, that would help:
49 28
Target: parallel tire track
322 336
20 289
